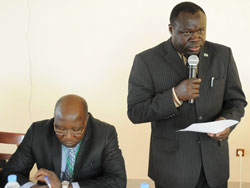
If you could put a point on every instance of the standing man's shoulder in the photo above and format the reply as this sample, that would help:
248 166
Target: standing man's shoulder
216 47
154 51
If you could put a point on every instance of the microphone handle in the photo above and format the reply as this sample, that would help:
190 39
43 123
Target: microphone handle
192 74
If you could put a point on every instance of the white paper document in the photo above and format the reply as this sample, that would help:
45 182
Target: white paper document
210 127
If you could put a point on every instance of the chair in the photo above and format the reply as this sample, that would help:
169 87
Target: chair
10 138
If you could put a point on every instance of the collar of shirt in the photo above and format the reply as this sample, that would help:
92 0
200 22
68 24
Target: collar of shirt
183 58
65 152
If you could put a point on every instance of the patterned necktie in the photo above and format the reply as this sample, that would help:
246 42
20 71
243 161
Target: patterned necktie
71 161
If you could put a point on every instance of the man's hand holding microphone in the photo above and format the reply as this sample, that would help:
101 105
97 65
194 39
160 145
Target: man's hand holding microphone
189 89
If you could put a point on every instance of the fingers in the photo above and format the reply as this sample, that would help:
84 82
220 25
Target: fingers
220 118
224 133
52 177
188 89
221 135
194 83
193 88
39 175
195 80
217 138
41 172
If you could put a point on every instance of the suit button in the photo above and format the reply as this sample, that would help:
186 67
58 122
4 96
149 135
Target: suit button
198 141
200 117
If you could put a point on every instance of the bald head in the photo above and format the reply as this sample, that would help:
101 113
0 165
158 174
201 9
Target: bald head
71 107
71 115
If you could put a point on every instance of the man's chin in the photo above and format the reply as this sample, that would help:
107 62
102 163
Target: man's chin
192 53
69 144
195 50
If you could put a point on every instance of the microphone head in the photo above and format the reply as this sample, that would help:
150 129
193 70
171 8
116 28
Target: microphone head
193 60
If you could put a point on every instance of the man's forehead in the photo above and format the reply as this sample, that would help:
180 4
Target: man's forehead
69 112
188 19
68 117
184 15
67 123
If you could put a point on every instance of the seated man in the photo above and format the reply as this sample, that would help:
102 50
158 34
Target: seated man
73 148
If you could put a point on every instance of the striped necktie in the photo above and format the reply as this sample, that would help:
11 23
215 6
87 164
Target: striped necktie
68 175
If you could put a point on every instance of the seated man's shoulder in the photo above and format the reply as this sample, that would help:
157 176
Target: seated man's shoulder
101 125
42 124
102 133
41 128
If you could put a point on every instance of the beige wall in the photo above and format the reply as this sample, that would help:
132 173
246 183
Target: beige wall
87 48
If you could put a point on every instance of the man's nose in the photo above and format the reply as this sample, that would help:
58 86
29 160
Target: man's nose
69 134
194 36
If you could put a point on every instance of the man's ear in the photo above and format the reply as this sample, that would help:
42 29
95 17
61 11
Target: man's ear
170 28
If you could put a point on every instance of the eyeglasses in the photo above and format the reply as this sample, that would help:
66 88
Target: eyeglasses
65 132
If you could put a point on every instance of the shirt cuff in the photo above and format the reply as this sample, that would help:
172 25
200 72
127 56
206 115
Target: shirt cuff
75 184
27 185
177 102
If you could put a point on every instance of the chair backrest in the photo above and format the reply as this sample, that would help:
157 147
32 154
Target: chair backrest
10 138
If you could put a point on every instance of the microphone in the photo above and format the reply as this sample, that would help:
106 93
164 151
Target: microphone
193 61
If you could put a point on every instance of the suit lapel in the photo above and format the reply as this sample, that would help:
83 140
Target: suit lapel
56 151
204 57
174 60
84 148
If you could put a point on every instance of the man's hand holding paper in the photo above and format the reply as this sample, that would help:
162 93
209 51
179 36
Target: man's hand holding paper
218 130
220 135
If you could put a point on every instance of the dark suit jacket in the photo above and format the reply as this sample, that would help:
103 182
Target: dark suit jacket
176 157
99 162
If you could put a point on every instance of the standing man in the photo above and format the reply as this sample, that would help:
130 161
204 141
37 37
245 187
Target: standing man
73 149
159 91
